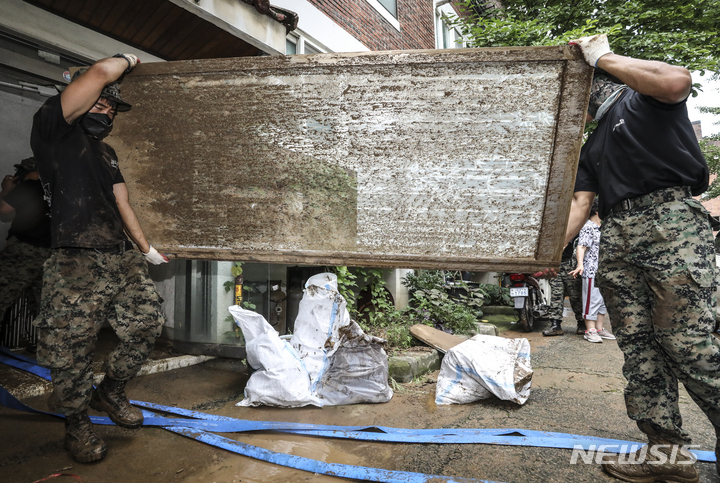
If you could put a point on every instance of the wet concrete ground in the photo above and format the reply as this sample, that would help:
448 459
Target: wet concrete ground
577 388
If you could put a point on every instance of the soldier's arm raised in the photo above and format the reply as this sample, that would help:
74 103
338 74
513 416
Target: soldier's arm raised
80 95
666 83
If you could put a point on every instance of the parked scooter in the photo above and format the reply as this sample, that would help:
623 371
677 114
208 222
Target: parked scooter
530 300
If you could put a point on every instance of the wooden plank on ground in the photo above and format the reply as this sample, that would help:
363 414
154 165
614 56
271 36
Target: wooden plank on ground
437 339
448 159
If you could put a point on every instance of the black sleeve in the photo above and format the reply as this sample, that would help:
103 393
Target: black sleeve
118 178
17 196
661 105
585 180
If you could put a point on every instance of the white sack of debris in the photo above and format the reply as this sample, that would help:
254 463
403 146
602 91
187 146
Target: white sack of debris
321 315
484 366
357 371
346 366
280 378
341 364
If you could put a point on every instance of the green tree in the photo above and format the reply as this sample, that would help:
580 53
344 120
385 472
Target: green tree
710 146
678 32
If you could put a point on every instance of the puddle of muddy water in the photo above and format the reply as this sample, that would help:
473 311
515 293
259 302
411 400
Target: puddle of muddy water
430 405
236 468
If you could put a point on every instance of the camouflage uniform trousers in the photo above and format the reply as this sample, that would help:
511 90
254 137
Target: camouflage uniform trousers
657 276
22 268
81 289
563 285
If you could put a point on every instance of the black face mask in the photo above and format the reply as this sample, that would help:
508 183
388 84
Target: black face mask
97 125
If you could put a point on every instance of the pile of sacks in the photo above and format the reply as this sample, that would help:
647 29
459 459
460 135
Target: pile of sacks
328 361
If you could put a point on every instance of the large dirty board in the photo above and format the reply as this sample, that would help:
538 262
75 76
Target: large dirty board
447 159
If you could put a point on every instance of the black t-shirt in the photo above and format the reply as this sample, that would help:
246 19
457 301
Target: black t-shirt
32 215
567 253
78 173
641 145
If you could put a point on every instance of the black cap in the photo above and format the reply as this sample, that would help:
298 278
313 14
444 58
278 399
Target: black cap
111 92
27 164
600 72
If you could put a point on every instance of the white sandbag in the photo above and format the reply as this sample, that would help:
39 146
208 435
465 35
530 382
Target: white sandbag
358 370
321 315
483 366
280 378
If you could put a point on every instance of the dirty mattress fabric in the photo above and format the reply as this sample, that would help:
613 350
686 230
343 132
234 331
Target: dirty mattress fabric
200 428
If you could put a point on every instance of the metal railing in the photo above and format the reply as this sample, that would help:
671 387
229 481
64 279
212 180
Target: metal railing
16 329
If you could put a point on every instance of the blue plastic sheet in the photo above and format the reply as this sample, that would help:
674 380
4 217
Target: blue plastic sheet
202 425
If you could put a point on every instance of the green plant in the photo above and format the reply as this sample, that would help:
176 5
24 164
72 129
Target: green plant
398 336
374 283
236 271
347 284
424 279
435 306
680 33
438 297
456 305
371 279
710 146
495 294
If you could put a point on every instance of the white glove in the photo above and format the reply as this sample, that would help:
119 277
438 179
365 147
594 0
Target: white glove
155 257
593 47
131 59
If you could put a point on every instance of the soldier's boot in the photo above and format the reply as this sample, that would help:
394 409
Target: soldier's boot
554 329
581 328
649 467
81 441
110 398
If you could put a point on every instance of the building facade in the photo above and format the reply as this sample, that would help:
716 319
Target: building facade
41 39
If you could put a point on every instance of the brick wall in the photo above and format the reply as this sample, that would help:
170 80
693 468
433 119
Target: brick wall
360 19
713 205
459 11
697 127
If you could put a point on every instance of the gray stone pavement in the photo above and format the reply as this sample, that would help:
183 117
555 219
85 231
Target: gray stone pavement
577 388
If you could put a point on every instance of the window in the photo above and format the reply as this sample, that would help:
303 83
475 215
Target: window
388 10
297 43
446 37
310 49
390 6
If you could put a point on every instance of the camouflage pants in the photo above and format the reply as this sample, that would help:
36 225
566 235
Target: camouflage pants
563 285
81 289
22 268
657 276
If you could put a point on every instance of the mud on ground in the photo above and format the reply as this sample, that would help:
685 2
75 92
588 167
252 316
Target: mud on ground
577 388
